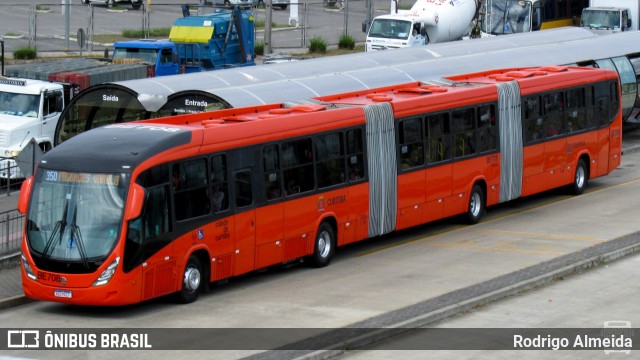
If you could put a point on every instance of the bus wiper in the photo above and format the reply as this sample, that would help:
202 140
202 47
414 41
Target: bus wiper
57 230
75 234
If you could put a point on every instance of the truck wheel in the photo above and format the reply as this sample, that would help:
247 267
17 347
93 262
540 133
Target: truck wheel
323 246
580 178
136 6
191 281
476 209
109 4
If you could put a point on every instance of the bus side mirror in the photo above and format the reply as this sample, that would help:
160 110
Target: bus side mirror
25 192
137 202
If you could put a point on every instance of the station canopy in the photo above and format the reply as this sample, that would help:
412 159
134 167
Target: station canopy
300 80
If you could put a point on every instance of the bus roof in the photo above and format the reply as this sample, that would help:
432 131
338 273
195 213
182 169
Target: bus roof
119 147
122 146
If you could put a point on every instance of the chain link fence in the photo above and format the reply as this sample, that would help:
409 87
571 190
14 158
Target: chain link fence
45 26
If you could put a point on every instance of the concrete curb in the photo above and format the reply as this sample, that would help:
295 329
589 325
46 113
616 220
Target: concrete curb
14 301
10 260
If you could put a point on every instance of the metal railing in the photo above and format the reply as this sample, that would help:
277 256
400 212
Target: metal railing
11 177
11 225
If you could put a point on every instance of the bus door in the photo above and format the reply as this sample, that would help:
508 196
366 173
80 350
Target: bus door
270 216
411 183
440 170
553 105
245 221
51 109
157 250
602 114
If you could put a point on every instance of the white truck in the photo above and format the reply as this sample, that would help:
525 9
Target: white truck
428 21
610 16
29 109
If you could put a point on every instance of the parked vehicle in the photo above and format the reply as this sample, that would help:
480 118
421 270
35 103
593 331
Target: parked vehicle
611 16
135 4
427 22
29 109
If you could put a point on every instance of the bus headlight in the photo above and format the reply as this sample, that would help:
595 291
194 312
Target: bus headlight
107 274
27 269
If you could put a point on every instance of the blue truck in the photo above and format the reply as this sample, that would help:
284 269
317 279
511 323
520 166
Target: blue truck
222 39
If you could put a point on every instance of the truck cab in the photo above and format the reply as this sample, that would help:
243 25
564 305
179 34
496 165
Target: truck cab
606 19
611 16
395 31
160 55
29 109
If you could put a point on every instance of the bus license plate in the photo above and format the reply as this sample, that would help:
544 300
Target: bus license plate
62 293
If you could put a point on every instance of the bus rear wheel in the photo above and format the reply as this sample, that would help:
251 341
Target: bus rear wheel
191 281
476 207
580 178
323 246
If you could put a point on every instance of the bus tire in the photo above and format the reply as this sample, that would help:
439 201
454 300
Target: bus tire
476 207
191 281
323 246
580 178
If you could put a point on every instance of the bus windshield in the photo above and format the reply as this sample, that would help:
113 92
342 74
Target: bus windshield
148 56
390 29
19 104
508 17
75 217
601 19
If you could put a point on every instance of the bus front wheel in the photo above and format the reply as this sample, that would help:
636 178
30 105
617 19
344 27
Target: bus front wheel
580 178
476 207
324 246
191 281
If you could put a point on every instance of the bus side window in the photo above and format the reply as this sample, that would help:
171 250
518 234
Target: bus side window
355 154
244 188
554 111
438 138
329 151
219 192
147 233
464 134
602 111
297 162
592 121
411 149
576 112
487 128
156 213
271 171
191 185
533 119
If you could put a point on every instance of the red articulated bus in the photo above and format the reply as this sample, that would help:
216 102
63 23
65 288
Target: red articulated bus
129 212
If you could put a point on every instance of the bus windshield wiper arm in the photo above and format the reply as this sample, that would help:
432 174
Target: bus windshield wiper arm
57 230
75 234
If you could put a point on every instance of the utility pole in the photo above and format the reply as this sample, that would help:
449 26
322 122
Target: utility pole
267 27
67 19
